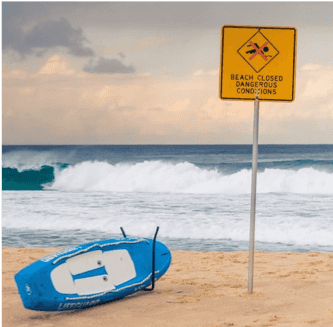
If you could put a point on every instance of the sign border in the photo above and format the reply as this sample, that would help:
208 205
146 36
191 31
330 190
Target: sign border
258 27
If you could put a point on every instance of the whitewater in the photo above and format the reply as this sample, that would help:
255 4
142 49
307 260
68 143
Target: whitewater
199 196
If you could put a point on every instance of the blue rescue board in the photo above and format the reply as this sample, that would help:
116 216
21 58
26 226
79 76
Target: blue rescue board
91 274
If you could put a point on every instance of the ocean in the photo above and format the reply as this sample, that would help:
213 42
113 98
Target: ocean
199 195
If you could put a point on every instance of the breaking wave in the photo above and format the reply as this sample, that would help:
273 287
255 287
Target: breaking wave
158 176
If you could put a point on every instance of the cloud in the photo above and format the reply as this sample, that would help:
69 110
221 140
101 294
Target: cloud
15 74
56 64
198 73
175 15
310 67
142 44
214 72
112 109
318 82
180 105
108 66
44 36
106 95
121 55
146 74
159 15
317 88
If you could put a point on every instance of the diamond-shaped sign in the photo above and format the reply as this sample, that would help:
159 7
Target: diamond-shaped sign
258 51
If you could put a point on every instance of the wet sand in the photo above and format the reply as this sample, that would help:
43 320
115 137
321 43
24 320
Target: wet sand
199 289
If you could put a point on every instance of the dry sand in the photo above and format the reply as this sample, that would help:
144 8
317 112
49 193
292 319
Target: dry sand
199 289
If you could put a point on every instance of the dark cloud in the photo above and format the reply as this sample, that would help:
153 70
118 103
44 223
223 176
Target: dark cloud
174 15
108 66
121 55
202 14
42 36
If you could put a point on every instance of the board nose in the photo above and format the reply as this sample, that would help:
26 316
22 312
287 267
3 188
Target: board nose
29 292
163 258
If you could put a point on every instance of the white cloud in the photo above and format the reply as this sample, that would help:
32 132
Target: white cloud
56 64
189 108
198 73
228 112
55 67
319 83
311 67
214 72
101 97
15 74
179 105
215 108
319 87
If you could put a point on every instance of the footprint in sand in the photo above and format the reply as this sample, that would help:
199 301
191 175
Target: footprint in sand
275 318
284 276
314 321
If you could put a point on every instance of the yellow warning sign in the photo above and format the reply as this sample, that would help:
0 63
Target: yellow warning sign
258 59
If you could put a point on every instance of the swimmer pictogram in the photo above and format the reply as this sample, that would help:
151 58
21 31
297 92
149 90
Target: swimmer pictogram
258 51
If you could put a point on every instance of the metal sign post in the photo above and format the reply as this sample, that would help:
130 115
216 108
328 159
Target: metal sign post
257 60
253 190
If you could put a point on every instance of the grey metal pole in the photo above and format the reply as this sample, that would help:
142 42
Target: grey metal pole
253 191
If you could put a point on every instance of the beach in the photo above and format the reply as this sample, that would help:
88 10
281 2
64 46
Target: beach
200 288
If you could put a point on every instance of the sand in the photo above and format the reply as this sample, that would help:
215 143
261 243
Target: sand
199 289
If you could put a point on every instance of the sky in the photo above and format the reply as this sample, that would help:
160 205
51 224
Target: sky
148 73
